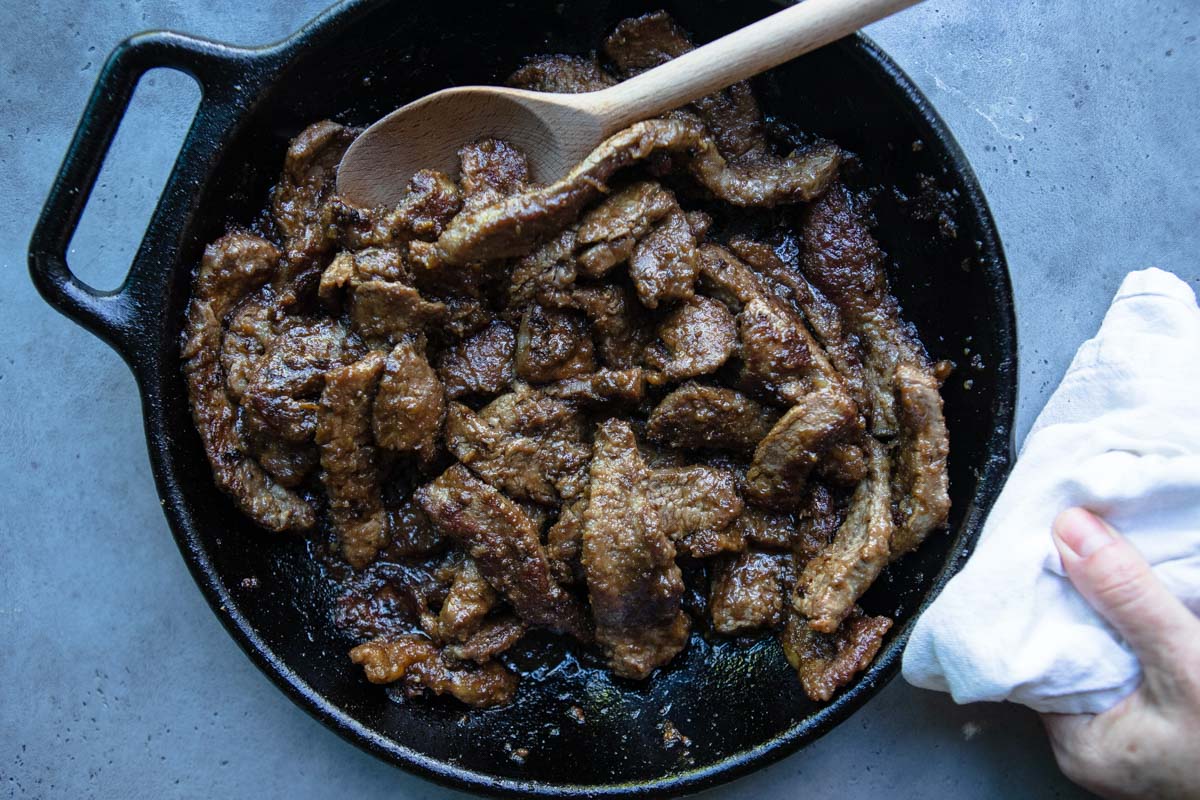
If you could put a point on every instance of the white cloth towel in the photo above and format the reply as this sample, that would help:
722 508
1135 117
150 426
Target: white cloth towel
1120 436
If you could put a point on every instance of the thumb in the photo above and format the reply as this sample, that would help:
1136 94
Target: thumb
1114 578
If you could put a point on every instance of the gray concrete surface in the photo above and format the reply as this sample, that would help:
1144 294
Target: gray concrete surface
116 681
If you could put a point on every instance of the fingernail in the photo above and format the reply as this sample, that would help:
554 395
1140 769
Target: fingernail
1082 531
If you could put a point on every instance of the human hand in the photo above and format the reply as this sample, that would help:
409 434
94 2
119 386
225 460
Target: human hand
1146 746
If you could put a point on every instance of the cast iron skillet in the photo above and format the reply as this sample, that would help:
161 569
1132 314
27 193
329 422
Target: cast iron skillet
740 708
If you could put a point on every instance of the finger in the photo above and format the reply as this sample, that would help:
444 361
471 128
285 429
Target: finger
1114 578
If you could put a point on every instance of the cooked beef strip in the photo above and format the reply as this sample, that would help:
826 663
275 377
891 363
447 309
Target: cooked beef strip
470 599
844 464
493 637
491 170
349 468
523 443
785 457
767 528
642 43
553 345
564 543
421 665
289 463
374 607
505 545
412 535
663 263
747 592
628 561
252 327
300 204
481 366
608 233
817 523
385 311
549 268
834 580
696 508
512 227
232 267
844 261
827 661
920 482
821 315
619 386
565 74
410 405
283 390
698 416
695 339
620 325
430 201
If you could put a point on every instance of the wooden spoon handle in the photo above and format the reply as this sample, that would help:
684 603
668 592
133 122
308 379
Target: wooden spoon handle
742 54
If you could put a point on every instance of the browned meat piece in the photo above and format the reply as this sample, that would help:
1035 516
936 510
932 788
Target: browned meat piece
429 203
564 543
233 266
300 204
619 323
283 390
553 345
410 405
827 661
747 592
820 314
780 357
920 489
389 310
505 545
491 171
696 507
629 563
817 523
783 460
481 365
551 267
694 339
696 416
470 599
373 607
527 445
844 464
348 460
609 232
767 528
837 577
565 74
252 327
492 638
411 532
382 303
621 386
663 264
289 463
699 222
351 269
844 261
645 42
421 665
515 225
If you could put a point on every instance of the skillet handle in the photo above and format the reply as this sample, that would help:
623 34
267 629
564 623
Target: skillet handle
113 315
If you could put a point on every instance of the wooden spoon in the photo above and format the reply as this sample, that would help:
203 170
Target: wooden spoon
555 131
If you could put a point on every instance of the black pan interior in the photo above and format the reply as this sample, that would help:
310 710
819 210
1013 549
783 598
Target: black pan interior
736 706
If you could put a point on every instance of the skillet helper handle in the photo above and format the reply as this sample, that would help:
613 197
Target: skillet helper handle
110 315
